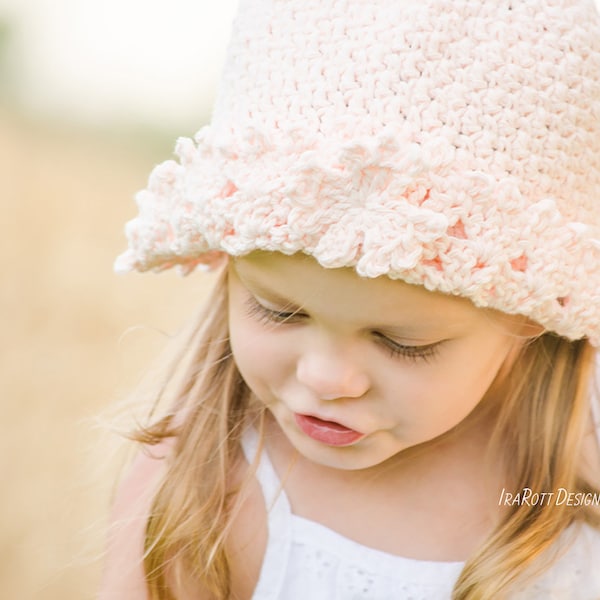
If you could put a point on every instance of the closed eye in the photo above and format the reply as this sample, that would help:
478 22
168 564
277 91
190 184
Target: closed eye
424 352
267 315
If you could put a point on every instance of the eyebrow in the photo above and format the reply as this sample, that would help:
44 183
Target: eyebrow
410 332
428 327
260 290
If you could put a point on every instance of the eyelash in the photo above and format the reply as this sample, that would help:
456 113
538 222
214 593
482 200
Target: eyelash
265 315
412 353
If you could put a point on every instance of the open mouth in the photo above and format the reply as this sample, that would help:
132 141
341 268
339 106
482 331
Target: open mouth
327 432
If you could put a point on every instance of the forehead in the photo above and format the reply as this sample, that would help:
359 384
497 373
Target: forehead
298 280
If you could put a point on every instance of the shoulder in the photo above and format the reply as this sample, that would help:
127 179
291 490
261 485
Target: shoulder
573 573
595 393
591 442
245 544
123 577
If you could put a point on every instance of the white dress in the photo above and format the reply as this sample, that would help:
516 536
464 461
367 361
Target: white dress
305 560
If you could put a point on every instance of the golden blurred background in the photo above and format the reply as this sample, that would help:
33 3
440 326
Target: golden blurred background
92 95
84 116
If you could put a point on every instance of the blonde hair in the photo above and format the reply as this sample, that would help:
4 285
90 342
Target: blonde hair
540 427
539 431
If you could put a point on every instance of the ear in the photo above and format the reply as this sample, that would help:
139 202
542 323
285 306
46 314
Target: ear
521 327
522 330
530 329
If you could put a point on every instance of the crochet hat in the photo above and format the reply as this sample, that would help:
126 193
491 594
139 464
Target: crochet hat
453 144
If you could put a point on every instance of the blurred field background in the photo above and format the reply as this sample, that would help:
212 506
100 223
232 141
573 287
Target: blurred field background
92 95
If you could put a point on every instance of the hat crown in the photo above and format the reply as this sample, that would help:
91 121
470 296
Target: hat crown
507 88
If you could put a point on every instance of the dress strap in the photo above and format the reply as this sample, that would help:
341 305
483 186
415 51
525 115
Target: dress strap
273 492
279 520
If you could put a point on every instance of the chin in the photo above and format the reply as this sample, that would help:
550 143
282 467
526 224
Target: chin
355 457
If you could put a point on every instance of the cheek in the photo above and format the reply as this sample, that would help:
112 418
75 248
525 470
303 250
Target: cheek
245 346
442 395
256 353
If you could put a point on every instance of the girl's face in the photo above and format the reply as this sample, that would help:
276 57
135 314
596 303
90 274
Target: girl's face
356 370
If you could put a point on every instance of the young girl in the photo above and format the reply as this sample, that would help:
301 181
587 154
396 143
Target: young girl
391 392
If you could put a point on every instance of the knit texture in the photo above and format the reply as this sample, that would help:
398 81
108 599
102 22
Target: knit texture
453 144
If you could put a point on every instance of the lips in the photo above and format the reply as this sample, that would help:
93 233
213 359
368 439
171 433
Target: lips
327 432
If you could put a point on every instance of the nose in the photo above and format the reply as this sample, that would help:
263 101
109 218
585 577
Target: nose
331 375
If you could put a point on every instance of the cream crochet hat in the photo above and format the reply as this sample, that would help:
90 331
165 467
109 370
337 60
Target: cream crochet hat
453 144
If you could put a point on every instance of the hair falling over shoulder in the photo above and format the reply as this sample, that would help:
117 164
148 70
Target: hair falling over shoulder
540 429
208 408
541 425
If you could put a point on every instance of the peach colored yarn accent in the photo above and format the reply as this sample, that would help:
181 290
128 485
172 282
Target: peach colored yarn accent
453 144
